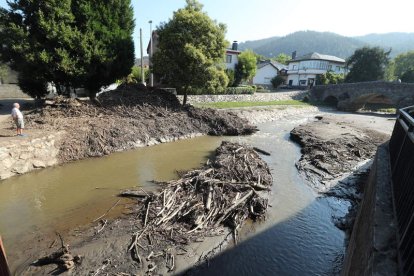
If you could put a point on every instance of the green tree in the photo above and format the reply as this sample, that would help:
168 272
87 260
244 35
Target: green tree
190 54
69 42
277 81
282 58
246 67
108 54
403 63
330 78
136 75
230 76
367 64
408 76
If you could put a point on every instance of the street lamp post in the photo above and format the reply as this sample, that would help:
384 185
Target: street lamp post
151 75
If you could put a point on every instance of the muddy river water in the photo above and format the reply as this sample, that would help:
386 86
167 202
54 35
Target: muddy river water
298 237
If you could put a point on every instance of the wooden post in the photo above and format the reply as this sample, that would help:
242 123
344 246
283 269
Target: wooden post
4 268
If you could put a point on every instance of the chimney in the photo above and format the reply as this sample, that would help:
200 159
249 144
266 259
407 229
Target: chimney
235 46
294 55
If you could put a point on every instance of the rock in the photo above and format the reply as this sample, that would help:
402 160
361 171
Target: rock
37 164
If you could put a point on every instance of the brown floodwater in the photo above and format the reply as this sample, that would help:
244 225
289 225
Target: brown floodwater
298 237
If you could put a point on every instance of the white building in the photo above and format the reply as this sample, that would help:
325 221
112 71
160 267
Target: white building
267 70
232 56
303 70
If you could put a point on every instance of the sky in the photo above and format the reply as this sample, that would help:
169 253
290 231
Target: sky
256 19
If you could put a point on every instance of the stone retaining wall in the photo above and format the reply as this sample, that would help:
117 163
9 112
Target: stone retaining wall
257 97
24 155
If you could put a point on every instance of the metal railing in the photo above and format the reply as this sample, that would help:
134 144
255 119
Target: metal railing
402 166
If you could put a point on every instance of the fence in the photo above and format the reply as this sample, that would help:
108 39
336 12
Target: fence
402 165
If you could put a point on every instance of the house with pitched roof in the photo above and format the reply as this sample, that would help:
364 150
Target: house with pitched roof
303 70
267 70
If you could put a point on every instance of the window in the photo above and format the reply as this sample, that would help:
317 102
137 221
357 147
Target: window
294 67
302 83
329 67
228 58
338 69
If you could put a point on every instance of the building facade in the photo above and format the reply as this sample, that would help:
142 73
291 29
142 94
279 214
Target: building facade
266 71
232 56
304 70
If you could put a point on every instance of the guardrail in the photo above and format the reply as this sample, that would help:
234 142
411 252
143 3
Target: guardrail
402 166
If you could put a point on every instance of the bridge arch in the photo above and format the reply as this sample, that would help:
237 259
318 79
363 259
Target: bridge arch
331 100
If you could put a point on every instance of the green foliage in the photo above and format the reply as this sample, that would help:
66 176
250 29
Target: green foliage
191 47
69 42
390 71
135 76
109 53
282 58
408 76
240 90
404 63
330 78
230 76
277 81
246 67
367 64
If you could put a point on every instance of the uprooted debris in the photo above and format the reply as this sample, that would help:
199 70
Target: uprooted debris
224 193
330 148
63 258
127 118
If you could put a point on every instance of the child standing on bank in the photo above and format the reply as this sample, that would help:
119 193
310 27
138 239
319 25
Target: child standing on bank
18 119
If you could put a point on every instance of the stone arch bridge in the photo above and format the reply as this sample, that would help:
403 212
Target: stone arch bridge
354 96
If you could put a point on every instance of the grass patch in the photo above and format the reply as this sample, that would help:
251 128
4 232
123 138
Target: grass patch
252 104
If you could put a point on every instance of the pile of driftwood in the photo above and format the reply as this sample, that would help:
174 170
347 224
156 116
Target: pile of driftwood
224 193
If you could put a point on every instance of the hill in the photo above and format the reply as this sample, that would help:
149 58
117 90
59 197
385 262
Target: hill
329 43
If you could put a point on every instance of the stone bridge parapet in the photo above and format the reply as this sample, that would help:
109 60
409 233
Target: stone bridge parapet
353 96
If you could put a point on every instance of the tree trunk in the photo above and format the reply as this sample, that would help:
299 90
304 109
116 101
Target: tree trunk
185 96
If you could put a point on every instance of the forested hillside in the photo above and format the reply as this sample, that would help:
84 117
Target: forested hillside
329 43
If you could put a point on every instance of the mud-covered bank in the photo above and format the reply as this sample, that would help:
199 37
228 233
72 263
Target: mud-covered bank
205 204
119 120
128 118
336 157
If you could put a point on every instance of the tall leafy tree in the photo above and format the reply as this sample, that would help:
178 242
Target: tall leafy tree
367 64
282 58
246 67
108 51
403 63
190 54
69 42
39 40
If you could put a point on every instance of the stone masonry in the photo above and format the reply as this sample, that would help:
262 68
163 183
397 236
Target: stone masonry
256 97
25 155
353 96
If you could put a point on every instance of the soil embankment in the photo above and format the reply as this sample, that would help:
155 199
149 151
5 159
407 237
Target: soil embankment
336 153
163 226
127 118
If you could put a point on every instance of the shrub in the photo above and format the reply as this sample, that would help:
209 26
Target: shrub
240 90
277 81
230 75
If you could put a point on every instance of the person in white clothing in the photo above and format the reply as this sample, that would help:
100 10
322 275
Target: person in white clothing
18 119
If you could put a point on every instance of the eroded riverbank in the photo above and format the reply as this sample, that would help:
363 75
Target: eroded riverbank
292 202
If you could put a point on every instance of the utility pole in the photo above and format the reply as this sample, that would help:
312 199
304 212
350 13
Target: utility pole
142 58
151 75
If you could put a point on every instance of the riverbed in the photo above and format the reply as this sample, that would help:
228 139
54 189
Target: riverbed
298 237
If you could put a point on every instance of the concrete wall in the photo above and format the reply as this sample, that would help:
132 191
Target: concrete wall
372 245
23 154
257 97
12 91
